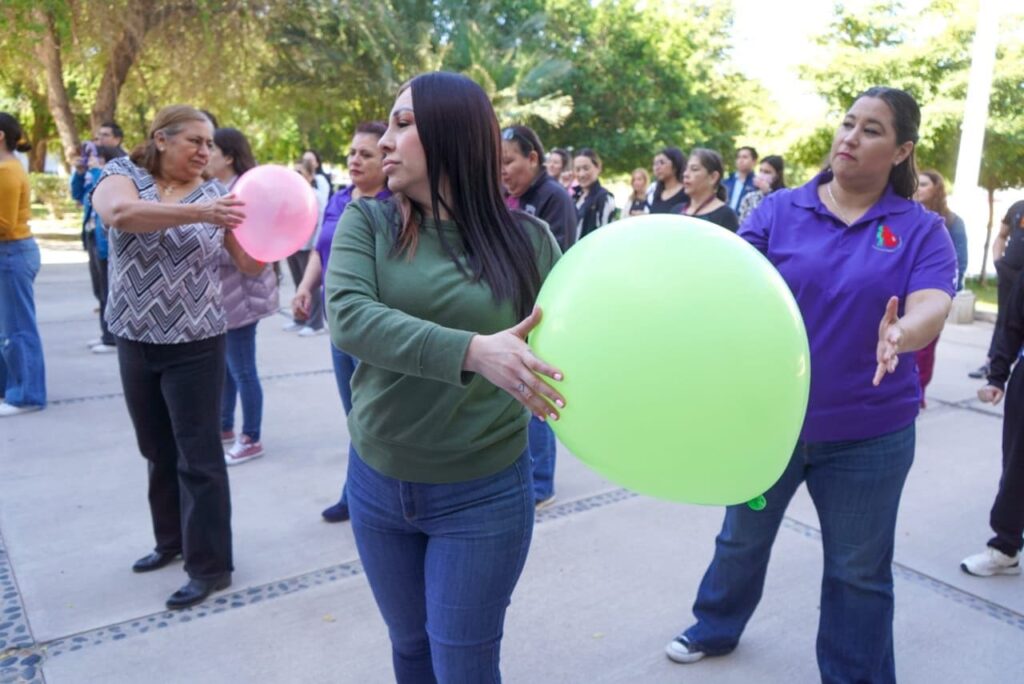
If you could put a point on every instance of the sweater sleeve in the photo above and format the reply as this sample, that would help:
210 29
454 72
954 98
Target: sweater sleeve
370 330
1009 338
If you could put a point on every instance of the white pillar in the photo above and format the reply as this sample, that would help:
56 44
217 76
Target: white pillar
968 199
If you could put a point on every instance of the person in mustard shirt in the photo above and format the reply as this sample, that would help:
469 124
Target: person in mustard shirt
22 373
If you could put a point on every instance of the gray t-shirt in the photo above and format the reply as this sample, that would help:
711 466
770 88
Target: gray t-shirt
165 285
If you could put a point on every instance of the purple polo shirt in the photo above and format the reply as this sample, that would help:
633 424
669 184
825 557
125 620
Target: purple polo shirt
332 213
842 278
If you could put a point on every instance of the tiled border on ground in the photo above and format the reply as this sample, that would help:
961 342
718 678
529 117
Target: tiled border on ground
19 659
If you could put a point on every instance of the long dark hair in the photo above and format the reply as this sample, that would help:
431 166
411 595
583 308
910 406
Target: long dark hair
712 162
462 145
906 118
233 143
14 139
677 160
776 162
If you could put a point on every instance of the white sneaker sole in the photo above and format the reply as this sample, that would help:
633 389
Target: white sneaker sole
239 461
677 653
991 572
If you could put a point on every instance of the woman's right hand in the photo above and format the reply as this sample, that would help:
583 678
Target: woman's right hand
301 303
990 395
224 211
507 362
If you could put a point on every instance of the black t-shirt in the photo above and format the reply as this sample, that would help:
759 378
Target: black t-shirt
1014 255
638 206
672 205
723 216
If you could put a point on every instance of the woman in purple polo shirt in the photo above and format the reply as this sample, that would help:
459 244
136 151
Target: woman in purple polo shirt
368 180
873 273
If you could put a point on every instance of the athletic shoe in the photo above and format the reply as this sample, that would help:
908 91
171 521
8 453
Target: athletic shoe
104 348
292 326
227 437
979 373
991 562
680 650
8 410
307 331
93 342
243 451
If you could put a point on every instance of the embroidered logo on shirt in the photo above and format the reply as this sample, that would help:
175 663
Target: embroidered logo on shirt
885 239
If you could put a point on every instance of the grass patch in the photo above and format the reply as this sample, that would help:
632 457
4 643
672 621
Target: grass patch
986 294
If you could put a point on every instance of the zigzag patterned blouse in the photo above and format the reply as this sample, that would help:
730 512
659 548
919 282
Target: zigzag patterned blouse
165 285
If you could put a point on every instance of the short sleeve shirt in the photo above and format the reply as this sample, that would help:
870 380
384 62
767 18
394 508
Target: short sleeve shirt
842 277
165 285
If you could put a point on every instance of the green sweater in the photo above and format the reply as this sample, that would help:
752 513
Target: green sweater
416 415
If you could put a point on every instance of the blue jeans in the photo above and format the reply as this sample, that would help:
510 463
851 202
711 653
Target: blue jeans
856 487
442 561
22 372
344 369
542 454
241 379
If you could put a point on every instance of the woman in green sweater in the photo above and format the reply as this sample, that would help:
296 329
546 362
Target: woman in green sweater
434 292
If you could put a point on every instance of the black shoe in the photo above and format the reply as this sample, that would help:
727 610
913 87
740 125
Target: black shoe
979 373
156 560
197 590
336 513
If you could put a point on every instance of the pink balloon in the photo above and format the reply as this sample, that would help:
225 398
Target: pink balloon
280 212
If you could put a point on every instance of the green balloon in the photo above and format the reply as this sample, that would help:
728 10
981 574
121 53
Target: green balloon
685 359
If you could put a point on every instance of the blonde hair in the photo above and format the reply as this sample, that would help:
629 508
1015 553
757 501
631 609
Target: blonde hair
647 181
169 121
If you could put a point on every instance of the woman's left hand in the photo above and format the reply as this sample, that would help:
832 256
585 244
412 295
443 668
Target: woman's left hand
890 337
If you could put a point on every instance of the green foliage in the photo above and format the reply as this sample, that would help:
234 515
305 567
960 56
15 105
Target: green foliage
50 191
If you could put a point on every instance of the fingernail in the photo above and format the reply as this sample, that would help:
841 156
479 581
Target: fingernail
554 416
539 417
559 403
558 376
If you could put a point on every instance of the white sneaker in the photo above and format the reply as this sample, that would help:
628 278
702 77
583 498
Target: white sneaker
680 650
7 410
991 562
243 451
93 342
307 331
292 326
104 348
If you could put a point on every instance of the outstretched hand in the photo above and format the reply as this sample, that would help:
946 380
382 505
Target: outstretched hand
507 361
890 336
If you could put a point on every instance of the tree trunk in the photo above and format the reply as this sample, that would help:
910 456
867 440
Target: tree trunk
48 51
988 235
122 56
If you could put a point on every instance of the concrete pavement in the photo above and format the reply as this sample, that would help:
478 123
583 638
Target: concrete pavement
609 581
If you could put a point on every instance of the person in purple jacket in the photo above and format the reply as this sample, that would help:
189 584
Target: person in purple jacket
368 180
873 273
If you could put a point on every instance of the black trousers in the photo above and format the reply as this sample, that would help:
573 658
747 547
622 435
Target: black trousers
1007 516
297 266
89 239
173 393
1006 277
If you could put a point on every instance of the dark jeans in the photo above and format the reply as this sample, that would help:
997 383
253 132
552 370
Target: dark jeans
442 561
101 286
297 267
241 379
1007 516
856 487
1006 278
173 394
95 271
344 368
542 454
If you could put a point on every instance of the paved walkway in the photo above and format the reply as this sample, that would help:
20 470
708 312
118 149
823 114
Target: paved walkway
610 578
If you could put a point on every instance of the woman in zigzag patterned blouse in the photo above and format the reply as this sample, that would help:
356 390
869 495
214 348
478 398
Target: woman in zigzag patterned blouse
164 307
